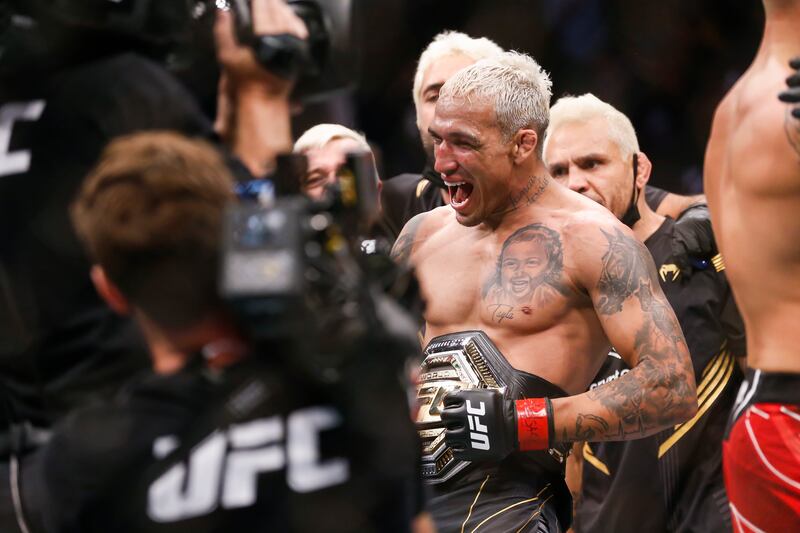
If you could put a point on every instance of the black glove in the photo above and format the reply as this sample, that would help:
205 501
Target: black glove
693 238
792 94
480 425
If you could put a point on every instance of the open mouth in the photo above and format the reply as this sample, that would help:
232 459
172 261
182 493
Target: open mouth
459 193
520 285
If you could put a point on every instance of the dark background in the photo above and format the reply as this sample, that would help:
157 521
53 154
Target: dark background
666 64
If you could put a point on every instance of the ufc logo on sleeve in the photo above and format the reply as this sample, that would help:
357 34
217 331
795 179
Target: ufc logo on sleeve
478 433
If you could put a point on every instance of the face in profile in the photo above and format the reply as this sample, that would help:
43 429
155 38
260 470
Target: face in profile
324 165
473 157
522 265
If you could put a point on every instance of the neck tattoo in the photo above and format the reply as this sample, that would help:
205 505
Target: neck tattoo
528 194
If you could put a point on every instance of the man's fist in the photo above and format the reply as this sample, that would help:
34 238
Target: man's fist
693 238
239 62
480 425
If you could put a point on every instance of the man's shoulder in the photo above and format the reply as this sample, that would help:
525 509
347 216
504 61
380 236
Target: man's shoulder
109 89
589 221
114 74
149 404
88 451
757 134
94 431
434 221
592 239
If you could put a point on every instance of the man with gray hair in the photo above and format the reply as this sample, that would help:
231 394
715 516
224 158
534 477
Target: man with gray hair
528 285
406 195
592 148
326 147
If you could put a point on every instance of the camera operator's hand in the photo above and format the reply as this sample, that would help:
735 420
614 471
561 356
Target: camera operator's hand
792 94
270 17
255 118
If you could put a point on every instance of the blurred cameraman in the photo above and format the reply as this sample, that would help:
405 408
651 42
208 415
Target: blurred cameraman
68 84
65 91
213 439
74 75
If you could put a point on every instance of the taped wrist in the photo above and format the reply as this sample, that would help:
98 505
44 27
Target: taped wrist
535 426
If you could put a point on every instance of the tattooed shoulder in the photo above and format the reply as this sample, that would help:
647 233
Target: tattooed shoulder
529 268
401 250
626 269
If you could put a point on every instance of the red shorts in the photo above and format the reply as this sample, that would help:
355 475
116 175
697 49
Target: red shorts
761 462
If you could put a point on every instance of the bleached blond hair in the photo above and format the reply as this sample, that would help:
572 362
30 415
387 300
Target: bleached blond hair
450 43
514 83
586 107
318 136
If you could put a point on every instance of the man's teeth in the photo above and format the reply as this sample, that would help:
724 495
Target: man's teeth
454 188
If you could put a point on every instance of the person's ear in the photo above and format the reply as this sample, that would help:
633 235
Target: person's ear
109 292
525 143
643 169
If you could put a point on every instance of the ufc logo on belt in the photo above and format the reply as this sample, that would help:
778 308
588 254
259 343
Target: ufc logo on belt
479 433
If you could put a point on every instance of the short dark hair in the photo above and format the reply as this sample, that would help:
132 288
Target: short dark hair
150 213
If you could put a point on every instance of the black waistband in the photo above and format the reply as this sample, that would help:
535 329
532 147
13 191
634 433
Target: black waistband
771 387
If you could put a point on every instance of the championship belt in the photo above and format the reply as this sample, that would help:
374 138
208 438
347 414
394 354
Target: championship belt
465 360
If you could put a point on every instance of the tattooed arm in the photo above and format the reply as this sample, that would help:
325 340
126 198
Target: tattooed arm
618 272
404 245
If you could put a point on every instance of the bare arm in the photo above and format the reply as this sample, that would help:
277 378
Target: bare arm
257 122
404 245
674 204
659 391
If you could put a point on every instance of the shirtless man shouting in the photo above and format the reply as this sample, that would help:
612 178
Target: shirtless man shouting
528 284
752 179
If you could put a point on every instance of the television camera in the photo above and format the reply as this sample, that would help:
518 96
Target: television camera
295 273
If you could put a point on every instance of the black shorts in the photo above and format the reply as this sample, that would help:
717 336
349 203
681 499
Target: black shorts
497 499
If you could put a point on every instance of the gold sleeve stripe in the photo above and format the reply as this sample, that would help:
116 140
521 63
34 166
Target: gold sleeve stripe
712 380
423 183
718 262
590 458
705 403
727 363
718 362
716 357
